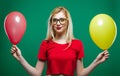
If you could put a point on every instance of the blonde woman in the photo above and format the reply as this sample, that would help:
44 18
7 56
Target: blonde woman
60 50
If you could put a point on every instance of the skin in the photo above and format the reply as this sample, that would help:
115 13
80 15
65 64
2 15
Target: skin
59 38
60 33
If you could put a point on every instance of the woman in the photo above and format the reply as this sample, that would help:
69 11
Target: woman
60 49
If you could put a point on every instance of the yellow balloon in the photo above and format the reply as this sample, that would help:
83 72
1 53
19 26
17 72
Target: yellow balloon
103 31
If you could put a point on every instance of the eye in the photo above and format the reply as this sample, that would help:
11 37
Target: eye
54 20
62 19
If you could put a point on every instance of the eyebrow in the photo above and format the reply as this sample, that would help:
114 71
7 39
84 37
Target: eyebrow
58 18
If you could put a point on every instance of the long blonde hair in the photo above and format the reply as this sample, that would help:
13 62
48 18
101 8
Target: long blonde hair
50 33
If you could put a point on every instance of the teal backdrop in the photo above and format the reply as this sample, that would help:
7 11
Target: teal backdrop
37 12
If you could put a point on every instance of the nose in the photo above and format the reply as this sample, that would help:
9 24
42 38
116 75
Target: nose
58 22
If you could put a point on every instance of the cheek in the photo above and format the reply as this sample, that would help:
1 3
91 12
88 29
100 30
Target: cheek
53 26
65 26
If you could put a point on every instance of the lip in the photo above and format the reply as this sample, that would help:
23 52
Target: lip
58 28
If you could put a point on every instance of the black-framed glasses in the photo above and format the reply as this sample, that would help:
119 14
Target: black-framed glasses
61 20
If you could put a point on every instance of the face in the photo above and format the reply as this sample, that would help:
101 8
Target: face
59 23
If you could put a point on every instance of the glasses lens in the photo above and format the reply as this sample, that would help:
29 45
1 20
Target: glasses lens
61 20
54 20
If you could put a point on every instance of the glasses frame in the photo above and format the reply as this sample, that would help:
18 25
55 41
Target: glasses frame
60 20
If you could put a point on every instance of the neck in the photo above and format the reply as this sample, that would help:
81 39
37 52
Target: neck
60 38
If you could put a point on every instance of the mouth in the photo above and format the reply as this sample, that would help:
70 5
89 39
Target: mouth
58 28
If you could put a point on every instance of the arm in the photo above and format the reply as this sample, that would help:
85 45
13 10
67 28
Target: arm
33 71
81 71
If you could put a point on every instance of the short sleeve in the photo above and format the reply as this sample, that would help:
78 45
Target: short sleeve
80 50
42 51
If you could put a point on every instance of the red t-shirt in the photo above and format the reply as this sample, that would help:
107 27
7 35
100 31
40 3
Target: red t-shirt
59 60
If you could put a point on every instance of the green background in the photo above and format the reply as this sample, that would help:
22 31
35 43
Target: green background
37 12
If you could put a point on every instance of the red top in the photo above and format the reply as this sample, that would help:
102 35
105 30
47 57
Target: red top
59 60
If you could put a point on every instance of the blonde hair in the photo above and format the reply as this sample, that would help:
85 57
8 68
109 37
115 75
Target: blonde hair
50 33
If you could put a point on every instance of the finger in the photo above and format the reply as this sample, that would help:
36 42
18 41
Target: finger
14 48
102 53
14 45
13 51
106 50
106 53
106 56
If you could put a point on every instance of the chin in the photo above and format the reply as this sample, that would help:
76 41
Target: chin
59 32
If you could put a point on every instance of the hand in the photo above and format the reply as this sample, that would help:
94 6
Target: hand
103 56
15 51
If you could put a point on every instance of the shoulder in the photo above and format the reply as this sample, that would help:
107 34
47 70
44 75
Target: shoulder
77 45
76 41
45 41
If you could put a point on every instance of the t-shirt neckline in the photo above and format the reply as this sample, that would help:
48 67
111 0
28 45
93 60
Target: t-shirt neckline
59 43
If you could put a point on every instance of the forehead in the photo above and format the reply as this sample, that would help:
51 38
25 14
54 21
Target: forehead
59 15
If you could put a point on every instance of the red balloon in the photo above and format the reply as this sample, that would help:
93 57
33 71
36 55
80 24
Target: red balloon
15 26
